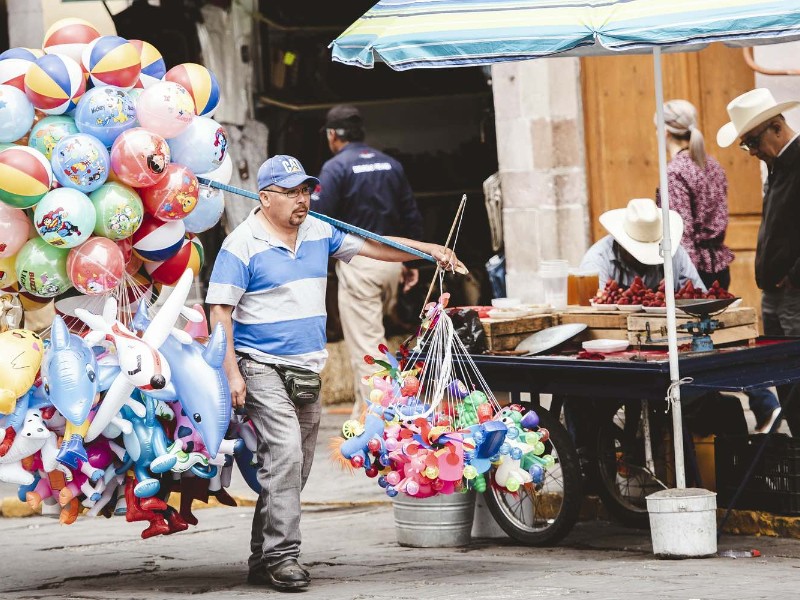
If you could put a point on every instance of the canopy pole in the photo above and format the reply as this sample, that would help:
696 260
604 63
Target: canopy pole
674 391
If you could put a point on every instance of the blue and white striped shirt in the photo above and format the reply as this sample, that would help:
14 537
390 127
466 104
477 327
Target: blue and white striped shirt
279 295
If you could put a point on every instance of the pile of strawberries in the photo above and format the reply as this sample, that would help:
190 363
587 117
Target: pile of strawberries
639 294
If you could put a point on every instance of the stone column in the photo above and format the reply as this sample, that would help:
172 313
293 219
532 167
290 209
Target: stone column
542 164
25 23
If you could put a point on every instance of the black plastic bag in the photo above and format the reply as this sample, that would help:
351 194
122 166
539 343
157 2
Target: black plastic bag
468 328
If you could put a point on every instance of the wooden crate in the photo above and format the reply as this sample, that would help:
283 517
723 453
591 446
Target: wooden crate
607 325
738 324
505 334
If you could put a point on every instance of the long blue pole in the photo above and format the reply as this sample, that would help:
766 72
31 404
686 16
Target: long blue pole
335 222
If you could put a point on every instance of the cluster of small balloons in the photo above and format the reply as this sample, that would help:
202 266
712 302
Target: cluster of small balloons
100 150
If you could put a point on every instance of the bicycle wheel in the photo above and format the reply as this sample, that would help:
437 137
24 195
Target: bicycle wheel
542 517
620 472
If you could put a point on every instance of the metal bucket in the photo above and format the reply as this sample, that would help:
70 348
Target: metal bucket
439 521
683 523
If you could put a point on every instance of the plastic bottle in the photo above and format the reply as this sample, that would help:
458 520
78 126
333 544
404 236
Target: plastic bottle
739 553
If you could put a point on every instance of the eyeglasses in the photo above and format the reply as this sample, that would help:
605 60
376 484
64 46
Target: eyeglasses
753 142
292 194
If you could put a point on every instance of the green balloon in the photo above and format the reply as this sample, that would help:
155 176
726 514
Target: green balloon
42 268
48 131
119 210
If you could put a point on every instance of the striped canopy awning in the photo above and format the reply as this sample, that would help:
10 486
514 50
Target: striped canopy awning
408 34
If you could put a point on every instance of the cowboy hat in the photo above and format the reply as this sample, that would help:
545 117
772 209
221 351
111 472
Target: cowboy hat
639 229
748 111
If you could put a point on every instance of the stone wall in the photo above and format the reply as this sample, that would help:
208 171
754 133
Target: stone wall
542 165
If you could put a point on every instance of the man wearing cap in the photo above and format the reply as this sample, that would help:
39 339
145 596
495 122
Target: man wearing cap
365 187
267 289
633 247
757 121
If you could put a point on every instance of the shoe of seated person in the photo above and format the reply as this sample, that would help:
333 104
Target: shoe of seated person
767 425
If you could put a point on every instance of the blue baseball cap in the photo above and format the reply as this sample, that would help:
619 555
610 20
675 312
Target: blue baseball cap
284 171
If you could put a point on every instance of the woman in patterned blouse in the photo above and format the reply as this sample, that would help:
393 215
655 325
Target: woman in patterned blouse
698 191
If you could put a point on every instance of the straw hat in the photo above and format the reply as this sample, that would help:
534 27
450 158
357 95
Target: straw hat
639 229
748 111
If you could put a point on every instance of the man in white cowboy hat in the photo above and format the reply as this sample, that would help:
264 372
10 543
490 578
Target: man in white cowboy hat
634 247
758 122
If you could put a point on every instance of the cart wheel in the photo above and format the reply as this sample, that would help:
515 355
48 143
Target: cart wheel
622 478
542 517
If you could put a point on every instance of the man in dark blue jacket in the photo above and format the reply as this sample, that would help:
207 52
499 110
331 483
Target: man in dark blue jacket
367 188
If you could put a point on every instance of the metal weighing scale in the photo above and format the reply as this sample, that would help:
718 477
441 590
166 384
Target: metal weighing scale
700 330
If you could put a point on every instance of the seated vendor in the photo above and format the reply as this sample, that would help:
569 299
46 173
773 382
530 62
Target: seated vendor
633 247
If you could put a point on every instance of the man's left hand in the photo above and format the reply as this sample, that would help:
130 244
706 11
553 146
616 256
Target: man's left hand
410 278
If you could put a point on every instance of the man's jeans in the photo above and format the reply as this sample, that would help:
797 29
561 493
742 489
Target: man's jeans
286 435
780 310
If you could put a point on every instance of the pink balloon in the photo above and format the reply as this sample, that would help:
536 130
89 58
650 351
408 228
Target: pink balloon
165 108
139 157
14 226
96 266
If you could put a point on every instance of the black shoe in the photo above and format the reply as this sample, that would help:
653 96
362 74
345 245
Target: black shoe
288 576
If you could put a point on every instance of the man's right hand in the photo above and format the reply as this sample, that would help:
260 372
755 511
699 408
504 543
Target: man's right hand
238 389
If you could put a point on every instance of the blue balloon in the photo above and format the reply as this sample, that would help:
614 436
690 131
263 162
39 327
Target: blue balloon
16 114
80 161
207 212
202 147
105 112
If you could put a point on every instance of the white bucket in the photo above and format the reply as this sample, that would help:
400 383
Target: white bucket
440 521
683 523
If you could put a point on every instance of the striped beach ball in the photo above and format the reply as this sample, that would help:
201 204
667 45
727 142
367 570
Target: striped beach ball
200 83
190 256
69 36
112 60
153 66
14 63
54 84
25 176
156 240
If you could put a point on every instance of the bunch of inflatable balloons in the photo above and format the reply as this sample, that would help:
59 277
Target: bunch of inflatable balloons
427 432
100 148
113 421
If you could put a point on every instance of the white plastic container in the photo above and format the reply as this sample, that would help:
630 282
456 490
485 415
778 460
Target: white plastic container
683 523
554 274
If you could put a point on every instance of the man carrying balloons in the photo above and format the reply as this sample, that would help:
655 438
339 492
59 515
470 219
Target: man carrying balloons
267 288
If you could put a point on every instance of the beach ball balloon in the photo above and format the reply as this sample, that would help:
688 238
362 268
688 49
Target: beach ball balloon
152 63
8 273
25 176
16 114
96 266
42 269
54 84
80 161
165 108
119 210
105 112
112 60
207 213
69 37
200 83
48 131
140 157
174 197
14 226
157 240
189 256
64 218
14 64
202 147
223 173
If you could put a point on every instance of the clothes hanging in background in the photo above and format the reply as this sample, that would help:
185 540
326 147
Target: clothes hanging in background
170 27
